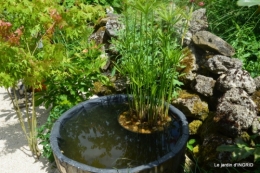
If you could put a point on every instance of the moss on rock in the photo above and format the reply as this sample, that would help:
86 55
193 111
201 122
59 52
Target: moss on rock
256 98
184 94
194 127
189 62
101 89
245 136
196 151
201 108
191 105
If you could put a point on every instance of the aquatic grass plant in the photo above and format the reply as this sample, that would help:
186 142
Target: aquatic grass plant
150 50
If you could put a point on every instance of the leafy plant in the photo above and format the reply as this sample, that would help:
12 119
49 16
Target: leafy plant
72 82
242 34
151 53
248 3
190 144
241 150
45 130
30 52
247 49
116 4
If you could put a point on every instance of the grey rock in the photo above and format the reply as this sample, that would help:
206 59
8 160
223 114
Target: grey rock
187 38
100 36
110 24
201 59
113 26
204 85
199 21
220 64
235 112
191 105
256 125
236 78
257 82
120 84
103 21
210 42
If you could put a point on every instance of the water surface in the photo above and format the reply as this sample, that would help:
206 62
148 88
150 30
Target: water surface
95 138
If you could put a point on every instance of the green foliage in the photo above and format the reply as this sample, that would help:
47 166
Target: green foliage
151 52
191 143
248 46
71 82
24 59
241 150
45 130
239 26
116 4
39 40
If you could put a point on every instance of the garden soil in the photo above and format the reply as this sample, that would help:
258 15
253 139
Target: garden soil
15 156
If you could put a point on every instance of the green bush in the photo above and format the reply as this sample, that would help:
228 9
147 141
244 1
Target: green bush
29 51
44 44
116 4
239 26
45 130
242 150
71 81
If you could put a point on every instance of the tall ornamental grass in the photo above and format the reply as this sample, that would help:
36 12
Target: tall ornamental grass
150 51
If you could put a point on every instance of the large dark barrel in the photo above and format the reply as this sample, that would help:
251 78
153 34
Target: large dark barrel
171 162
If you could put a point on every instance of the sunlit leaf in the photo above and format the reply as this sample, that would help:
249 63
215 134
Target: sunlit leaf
248 3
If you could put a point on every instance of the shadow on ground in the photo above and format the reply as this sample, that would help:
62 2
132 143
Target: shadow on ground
12 137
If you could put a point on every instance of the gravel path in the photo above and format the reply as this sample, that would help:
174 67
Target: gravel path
15 156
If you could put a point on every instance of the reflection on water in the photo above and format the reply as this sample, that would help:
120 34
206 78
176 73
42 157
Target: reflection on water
95 138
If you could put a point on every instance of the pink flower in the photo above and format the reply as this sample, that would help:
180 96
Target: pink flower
192 1
201 3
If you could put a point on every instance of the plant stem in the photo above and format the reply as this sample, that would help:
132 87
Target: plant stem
18 112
